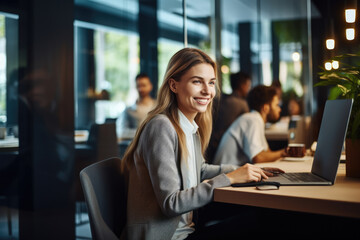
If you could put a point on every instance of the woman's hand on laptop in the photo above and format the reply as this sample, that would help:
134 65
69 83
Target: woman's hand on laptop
247 173
270 171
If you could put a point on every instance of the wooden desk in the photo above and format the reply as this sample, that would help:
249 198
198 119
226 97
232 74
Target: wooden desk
342 199
9 144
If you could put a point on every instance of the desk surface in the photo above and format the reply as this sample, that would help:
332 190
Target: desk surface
341 199
10 143
81 137
278 131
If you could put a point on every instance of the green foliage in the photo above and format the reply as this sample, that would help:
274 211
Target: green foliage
291 31
116 51
347 81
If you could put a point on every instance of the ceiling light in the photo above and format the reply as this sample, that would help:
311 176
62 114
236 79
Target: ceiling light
350 15
335 64
328 66
350 33
330 44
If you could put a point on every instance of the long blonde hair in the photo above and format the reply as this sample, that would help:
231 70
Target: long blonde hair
167 104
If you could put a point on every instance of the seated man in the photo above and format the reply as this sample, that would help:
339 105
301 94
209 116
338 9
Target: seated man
244 141
133 116
229 108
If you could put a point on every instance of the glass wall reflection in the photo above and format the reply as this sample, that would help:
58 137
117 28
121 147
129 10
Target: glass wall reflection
171 37
269 40
9 142
107 61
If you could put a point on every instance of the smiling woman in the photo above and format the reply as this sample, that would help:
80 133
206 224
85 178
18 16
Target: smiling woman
164 163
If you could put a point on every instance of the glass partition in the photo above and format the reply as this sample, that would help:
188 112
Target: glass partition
107 61
9 143
171 38
199 19
8 70
268 39
2 70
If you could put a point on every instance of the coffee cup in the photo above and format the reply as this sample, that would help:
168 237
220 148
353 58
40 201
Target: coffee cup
295 150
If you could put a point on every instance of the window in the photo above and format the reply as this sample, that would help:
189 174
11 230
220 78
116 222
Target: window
269 40
116 64
171 29
2 71
8 70
106 60
171 38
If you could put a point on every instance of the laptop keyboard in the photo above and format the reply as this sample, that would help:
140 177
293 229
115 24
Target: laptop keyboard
302 177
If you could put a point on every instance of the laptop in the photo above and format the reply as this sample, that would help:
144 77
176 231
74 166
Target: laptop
331 138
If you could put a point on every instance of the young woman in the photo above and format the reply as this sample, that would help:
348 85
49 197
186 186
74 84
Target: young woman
164 164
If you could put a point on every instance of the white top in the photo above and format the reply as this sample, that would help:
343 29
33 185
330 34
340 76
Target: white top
131 118
188 171
243 140
188 166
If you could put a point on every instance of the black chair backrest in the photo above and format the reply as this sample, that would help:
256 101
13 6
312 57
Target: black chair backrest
110 120
106 196
103 139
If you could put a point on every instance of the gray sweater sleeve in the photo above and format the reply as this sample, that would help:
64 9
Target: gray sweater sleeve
158 146
209 171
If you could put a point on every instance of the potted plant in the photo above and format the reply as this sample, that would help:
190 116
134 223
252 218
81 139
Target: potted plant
346 82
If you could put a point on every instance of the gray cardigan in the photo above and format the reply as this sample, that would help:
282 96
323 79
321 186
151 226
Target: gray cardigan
156 197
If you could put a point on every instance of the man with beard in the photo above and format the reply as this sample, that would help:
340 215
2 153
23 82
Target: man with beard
229 108
132 116
244 141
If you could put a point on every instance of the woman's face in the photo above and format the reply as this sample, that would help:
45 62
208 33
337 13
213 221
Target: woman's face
195 90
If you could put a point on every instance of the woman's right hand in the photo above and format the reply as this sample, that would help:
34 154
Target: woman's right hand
246 173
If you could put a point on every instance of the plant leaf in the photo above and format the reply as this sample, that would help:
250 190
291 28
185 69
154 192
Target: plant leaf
343 89
334 93
331 81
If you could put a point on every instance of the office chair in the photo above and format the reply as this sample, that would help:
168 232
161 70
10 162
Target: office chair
101 144
9 178
103 140
8 213
105 196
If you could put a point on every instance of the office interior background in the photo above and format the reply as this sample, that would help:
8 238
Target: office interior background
77 61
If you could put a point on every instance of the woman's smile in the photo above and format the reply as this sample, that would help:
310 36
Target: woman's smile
202 101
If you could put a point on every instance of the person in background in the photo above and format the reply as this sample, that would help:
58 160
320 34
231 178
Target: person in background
245 142
230 107
164 164
277 85
294 107
132 116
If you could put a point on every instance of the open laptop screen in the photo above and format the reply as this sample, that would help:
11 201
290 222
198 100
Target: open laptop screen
331 138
